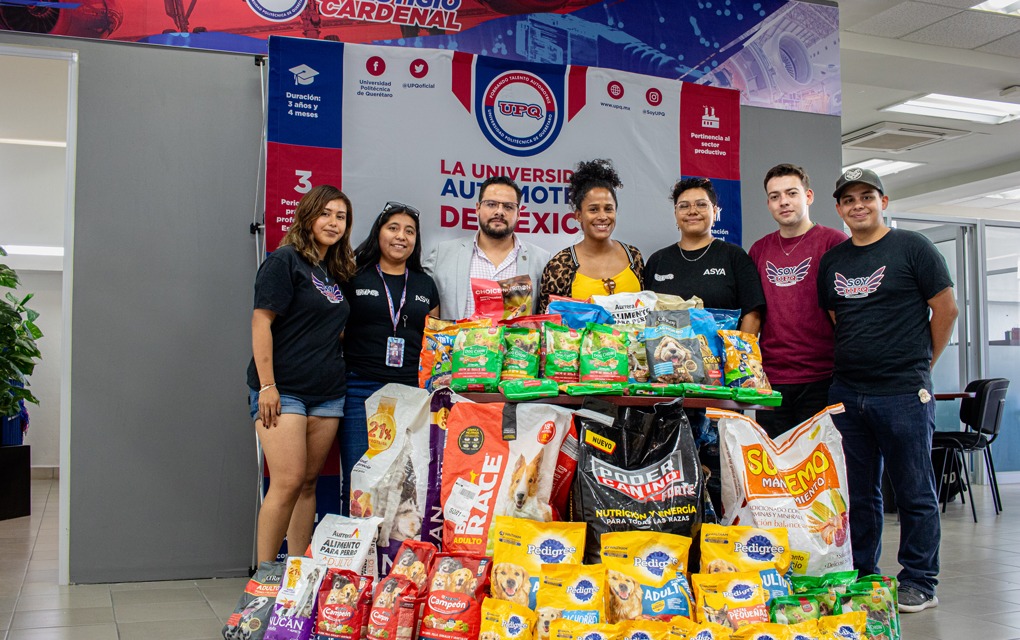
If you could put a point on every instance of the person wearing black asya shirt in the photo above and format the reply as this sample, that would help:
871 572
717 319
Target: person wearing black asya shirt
296 376
390 297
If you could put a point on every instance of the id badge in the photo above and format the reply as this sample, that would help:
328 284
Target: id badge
394 352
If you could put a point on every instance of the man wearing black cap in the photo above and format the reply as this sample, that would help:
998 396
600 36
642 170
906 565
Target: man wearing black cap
890 296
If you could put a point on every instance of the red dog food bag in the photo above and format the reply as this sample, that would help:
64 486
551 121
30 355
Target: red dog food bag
394 613
344 601
413 560
458 583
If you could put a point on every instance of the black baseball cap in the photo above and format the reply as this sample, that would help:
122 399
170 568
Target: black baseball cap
855 175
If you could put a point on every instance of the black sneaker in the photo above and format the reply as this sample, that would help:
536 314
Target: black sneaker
913 600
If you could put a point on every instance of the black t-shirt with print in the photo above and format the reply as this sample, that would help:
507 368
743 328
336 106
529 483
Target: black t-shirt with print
311 311
370 327
724 277
880 294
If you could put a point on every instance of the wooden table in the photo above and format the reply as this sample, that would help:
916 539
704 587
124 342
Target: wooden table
624 401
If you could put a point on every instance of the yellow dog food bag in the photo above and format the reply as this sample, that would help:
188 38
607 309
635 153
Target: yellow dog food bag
741 548
503 620
563 629
730 599
807 630
521 547
680 627
763 631
645 575
709 631
644 630
572 591
846 626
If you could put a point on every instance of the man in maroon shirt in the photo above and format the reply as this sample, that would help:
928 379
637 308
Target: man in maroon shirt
796 335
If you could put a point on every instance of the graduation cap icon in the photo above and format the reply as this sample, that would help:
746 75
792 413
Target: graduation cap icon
303 74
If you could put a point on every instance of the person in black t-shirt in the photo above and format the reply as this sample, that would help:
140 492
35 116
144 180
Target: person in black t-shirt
296 374
390 297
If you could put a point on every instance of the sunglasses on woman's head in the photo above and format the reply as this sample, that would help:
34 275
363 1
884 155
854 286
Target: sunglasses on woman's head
400 206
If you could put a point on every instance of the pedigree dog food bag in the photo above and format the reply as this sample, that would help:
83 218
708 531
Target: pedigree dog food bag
572 591
644 575
522 547
505 620
740 548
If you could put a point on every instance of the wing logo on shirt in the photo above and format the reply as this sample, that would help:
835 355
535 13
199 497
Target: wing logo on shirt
858 287
330 291
787 276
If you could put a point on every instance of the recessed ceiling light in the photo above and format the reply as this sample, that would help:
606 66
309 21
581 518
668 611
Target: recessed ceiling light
1010 7
1013 194
884 167
34 143
29 250
957 108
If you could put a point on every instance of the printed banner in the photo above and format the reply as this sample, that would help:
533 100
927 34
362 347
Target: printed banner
778 53
426 127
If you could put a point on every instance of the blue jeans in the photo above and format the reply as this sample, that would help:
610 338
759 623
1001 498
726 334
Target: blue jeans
897 429
354 431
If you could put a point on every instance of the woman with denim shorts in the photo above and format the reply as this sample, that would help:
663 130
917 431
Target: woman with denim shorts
296 377
390 297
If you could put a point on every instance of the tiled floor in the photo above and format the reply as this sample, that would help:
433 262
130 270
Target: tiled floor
979 595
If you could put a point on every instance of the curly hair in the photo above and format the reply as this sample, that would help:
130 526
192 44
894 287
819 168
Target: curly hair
593 174
694 183
339 259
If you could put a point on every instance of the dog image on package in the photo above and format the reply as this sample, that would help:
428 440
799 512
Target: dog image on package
730 599
499 459
645 575
293 616
572 591
521 547
797 482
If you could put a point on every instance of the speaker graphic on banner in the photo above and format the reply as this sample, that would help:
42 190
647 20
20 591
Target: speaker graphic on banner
426 127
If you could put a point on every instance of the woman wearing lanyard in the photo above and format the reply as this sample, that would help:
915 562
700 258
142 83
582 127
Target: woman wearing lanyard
390 297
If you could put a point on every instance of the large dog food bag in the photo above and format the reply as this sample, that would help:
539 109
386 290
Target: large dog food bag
251 615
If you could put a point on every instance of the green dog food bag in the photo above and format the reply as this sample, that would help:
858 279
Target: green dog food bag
637 358
562 353
603 354
522 351
595 388
878 600
794 609
758 396
477 359
529 389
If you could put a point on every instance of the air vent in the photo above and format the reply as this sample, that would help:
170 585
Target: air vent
897 137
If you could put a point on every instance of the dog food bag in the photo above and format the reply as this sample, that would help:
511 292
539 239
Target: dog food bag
674 355
637 357
628 308
346 543
564 629
251 615
878 597
702 631
500 459
645 575
704 325
637 469
659 389
293 616
595 388
644 630
477 359
764 397
667 302
742 548
521 390
730 599
708 391
762 631
521 547
522 353
603 354
742 367
458 583
573 591
435 365
394 612
797 481
680 627
344 602
807 630
412 560
563 475
794 609
846 626
562 353
505 620
658 553
502 299
676 318
577 315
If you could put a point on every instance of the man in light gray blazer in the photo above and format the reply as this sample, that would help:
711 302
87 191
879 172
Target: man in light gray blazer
494 253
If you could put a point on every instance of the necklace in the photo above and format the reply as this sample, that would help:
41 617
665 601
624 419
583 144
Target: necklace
325 275
779 240
684 256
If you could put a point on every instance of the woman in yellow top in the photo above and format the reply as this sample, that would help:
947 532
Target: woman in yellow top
597 265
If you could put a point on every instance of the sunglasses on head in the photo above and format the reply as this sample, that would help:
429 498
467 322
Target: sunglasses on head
400 206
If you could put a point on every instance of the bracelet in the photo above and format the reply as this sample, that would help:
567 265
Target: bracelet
267 386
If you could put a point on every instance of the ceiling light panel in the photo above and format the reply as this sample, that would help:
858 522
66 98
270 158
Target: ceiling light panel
957 108
884 167
1009 7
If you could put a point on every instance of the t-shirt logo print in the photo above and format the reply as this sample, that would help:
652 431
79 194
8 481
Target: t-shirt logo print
859 287
787 276
331 291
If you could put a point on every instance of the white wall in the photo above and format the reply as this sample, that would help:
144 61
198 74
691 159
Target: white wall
44 419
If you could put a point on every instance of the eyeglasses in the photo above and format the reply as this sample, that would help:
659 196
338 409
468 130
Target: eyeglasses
492 205
400 206
700 205
610 285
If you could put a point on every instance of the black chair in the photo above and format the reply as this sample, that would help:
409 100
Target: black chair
982 416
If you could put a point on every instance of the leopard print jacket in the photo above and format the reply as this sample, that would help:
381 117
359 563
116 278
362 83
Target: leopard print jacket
558 276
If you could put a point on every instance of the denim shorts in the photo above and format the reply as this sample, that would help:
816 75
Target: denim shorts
292 404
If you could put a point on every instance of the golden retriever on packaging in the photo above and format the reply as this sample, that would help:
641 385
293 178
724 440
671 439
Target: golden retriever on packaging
624 597
511 582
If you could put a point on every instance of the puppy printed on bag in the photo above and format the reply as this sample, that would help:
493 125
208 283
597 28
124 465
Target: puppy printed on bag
522 547
573 591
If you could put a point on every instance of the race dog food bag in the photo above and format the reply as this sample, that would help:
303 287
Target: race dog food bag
251 615
477 359
505 620
435 366
521 547
730 599
628 308
344 602
522 353
563 629
603 354
502 299
500 459
413 560
394 612
637 469
346 543
644 630
293 616
797 481
391 480
572 591
763 631
741 548
562 353
645 575
846 626
674 355
458 583
743 361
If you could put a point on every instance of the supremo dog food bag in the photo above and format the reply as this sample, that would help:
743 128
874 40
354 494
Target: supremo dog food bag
500 459
521 547
797 481
251 615
637 469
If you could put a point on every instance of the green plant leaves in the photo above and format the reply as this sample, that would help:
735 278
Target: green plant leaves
18 350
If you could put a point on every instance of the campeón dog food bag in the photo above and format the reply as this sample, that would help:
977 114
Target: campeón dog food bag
797 481
637 469
500 459
521 547
458 583
394 612
251 615
344 602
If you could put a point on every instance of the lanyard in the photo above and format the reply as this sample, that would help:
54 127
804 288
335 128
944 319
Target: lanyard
394 316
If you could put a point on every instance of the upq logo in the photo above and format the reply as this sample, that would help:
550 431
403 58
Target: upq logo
519 109
518 113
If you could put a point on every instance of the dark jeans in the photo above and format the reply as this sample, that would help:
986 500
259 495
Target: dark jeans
800 402
354 431
897 429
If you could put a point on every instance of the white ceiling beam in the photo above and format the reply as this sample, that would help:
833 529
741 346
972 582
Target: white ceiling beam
937 55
